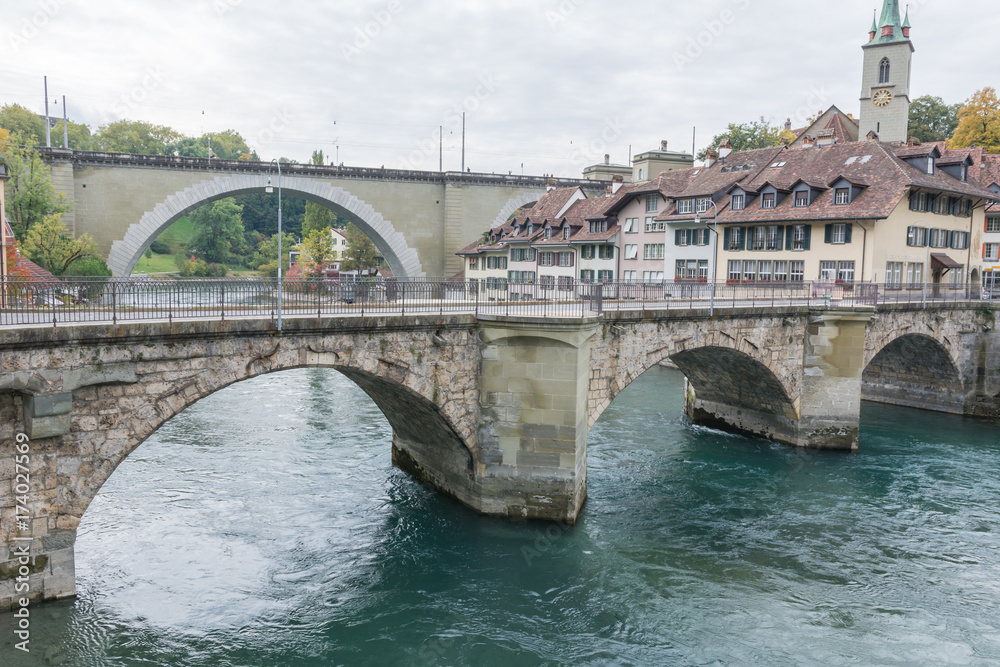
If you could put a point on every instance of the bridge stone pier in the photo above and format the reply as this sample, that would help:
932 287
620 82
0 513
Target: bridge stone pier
493 411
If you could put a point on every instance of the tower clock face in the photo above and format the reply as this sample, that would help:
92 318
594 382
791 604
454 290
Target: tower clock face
882 98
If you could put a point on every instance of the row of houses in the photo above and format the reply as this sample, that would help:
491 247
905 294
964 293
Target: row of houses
868 211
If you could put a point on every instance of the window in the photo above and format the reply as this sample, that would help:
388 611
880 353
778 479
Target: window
521 276
959 240
703 237
598 226
565 283
548 232
587 276
587 252
957 276
735 238
652 276
688 269
685 206
827 270
759 238
735 272
737 202
682 237
965 208
842 196
566 258
893 273
652 251
838 233
773 237
938 238
473 262
993 224
749 270
523 254
764 270
703 270
631 251
883 71
628 276
800 237
915 273
797 270
845 272
652 203
606 252
991 251
496 283
547 282
565 232
801 198
680 269
651 226
531 229
767 200
916 236
780 270
545 259
605 276
942 205
703 204
631 225
918 201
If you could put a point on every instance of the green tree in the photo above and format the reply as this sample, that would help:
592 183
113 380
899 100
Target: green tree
317 252
29 192
318 217
219 231
49 245
746 136
135 136
226 145
187 147
260 213
265 259
361 253
78 134
25 124
979 122
931 119
90 266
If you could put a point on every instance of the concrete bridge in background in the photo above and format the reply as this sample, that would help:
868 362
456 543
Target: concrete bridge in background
492 410
417 219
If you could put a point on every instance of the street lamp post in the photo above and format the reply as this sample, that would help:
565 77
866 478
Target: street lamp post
715 247
269 189
927 260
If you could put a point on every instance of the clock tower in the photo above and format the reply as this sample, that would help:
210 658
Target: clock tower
885 82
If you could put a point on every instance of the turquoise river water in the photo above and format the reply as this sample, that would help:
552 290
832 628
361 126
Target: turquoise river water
266 526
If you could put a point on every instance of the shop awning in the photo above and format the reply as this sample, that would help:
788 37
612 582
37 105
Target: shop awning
940 260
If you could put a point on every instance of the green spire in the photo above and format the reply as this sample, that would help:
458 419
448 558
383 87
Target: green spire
874 25
890 18
890 14
906 21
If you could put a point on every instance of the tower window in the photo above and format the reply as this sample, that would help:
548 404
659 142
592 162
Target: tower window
883 71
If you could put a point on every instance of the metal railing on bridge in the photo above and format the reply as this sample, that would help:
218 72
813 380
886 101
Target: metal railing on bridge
25 301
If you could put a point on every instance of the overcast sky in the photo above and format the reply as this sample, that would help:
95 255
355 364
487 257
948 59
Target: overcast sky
552 84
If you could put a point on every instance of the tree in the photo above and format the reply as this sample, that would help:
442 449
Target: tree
78 134
29 193
746 136
49 245
931 119
226 145
317 252
260 212
266 257
361 253
135 136
187 147
979 122
318 217
24 124
219 231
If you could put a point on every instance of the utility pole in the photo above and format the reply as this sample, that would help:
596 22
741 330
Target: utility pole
48 130
440 147
694 130
65 125
463 142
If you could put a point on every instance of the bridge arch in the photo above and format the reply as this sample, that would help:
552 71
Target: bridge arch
914 370
512 205
125 253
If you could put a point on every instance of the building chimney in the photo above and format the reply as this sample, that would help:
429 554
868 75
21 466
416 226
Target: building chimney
808 142
550 184
788 123
710 158
607 158
663 145
616 182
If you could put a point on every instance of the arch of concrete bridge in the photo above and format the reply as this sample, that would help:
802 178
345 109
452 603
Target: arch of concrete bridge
402 259
918 368
413 418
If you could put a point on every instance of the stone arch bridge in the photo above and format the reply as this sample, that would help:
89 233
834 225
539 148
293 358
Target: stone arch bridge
417 219
494 411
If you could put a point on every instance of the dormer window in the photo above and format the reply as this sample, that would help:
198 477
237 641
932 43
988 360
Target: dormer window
531 229
842 196
883 71
801 198
767 200
930 165
703 205
737 202
685 206
652 203
565 232
548 233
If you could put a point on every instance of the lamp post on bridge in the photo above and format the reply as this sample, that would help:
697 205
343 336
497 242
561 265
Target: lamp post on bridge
715 247
268 189
927 260
4 175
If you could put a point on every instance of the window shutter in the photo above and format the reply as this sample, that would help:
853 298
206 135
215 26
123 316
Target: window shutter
725 238
808 230
828 234
572 258
781 238
847 232
691 236
789 235
913 201
677 237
